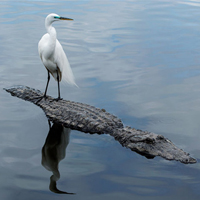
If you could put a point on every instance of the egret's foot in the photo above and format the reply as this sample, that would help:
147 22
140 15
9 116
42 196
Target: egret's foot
56 99
39 98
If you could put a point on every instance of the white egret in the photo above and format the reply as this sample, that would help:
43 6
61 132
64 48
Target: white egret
53 55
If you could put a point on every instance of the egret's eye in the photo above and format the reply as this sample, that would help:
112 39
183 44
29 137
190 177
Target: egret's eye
56 17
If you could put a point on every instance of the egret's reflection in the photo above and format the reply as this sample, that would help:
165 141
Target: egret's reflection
53 152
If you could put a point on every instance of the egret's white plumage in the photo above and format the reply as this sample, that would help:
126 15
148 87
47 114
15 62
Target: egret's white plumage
53 55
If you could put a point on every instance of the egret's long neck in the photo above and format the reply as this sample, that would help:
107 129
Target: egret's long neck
51 30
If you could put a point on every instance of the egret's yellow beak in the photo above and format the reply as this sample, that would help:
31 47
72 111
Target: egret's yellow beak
64 18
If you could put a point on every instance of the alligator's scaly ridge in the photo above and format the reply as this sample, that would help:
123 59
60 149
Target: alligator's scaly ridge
90 119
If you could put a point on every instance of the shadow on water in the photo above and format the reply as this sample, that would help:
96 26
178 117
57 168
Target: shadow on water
53 152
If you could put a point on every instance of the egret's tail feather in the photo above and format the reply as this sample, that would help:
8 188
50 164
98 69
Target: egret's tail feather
63 65
68 76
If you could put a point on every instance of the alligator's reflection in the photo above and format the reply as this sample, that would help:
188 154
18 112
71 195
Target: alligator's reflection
53 152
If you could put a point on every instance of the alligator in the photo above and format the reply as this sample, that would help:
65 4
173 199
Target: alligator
89 119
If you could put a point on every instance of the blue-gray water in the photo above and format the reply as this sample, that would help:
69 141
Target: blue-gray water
140 60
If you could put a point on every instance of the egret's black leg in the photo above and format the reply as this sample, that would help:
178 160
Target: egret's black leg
48 79
44 96
58 87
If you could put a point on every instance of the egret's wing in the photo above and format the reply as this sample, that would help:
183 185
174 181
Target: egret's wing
63 64
42 44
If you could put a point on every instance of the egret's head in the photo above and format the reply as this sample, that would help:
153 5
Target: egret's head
54 17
